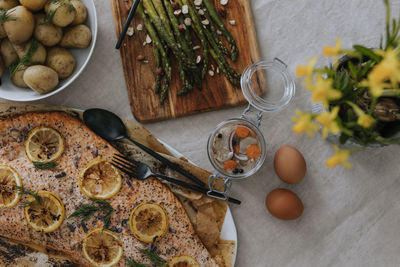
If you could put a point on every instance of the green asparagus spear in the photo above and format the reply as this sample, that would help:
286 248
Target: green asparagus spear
215 35
159 72
228 75
163 16
169 39
214 15
164 89
197 27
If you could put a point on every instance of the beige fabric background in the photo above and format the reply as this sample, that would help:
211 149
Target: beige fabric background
351 218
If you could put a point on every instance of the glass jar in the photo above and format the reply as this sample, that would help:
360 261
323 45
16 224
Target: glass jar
262 97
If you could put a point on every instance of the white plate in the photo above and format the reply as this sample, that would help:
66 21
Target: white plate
228 231
11 92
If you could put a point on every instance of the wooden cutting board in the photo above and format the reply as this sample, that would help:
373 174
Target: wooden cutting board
217 92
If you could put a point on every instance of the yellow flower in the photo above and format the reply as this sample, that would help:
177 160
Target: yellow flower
327 119
387 69
304 123
307 72
323 91
365 121
340 157
333 51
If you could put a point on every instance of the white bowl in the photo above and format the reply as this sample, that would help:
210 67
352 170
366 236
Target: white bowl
11 92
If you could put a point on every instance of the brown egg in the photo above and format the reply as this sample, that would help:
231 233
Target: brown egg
284 204
290 165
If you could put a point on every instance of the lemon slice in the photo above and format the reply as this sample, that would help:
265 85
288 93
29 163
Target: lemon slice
47 215
102 247
9 180
148 222
44 145
99 179
183 261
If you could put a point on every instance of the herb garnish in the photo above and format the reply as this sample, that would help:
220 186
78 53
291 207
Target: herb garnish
24 191
132 263
49 16
26 60
154 258
44 165
4 16
85 211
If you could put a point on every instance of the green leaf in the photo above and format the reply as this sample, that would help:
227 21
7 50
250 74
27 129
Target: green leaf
24 191
44 165
367 52
353 70
343 138
85 211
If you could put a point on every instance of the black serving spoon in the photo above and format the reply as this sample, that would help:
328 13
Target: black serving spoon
110 127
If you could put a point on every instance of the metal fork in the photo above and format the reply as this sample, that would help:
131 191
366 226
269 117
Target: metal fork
141 171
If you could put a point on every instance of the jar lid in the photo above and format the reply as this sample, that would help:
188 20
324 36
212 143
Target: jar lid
267 85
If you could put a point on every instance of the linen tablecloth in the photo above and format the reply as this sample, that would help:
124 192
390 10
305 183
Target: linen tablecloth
351 217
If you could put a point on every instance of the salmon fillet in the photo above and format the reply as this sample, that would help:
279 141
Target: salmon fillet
82 146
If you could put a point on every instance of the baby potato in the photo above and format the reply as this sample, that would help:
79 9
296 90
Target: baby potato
48 33
2 67
8 4
40 78
39 54
33 5
17 78
81 12
19 29
61 60
77 37
8 53
3 33
64 12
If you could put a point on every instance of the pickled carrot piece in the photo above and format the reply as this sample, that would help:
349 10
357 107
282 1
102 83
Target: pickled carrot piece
236 149
230 164
242 131
253 151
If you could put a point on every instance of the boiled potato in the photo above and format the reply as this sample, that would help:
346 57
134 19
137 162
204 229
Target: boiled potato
40 78
48 33
2 67
77 37
8 4
20 28
64 12
61 60
38 55
3 33
17 78
81 12
8 53
33 5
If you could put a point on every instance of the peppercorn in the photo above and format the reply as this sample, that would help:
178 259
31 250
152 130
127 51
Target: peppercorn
219 135
235 171
241 170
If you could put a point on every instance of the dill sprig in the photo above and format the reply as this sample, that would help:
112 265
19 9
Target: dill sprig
5 16
132 263
44 165
22 190
26 60
154 258
85 211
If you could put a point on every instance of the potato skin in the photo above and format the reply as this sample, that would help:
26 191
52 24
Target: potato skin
8 53
3 33
81 12
48 34
77 37
40 78
33 5
61 60
20 29
38 57
18 80
64 12
8 4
